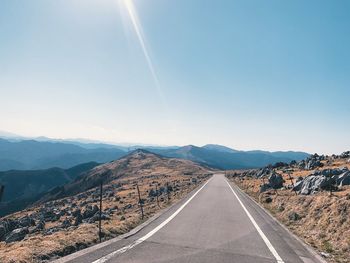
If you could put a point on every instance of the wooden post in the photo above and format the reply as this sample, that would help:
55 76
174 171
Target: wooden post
157 195
167 190
100 213
291 180
140 201
2 188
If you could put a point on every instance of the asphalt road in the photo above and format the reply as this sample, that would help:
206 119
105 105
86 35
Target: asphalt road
216 223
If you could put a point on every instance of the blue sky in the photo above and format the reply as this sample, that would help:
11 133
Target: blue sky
248 74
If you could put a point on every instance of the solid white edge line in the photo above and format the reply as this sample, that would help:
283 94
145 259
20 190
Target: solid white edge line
149 234
261 233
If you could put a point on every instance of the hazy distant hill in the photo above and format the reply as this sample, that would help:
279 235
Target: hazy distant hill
225 158
45 153
23 187
31 154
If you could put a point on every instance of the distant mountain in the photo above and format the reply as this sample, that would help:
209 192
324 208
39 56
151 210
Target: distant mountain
225 158
45 153
24 187
219 148
31 154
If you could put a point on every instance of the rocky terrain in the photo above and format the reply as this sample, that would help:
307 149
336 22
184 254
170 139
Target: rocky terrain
66 219
311 197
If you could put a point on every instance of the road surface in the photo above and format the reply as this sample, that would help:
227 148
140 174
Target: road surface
216 223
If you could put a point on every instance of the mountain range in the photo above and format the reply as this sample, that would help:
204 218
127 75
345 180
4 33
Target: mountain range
32 154
43 153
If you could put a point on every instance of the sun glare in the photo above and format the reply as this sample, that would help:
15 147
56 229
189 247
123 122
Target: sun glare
131 11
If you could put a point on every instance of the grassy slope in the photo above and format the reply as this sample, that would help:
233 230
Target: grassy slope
324 220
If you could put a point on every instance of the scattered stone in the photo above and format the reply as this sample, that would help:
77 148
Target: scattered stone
39 227
26 221
343 179
17 235
325 255
266 199
66 223
90 211
345 154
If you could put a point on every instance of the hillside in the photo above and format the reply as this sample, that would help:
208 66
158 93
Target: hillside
23 187
61 226
314 202
137 163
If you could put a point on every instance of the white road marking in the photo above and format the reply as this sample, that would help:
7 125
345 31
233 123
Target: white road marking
149 234
261 233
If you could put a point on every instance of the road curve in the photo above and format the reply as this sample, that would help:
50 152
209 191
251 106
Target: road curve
217 223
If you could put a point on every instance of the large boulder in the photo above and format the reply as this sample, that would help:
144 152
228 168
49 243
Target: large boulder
6 226
264 172
314 183
17 235
276 181
332 172
312 162
26 221
343 179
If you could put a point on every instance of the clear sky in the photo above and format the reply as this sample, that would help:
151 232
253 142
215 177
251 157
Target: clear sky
249 74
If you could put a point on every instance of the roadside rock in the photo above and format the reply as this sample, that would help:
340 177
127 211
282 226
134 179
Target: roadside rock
343 179
276 181
314 183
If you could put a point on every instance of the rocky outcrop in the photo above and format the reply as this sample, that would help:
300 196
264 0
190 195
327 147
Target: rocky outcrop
312 162
275 182
328 179
17 235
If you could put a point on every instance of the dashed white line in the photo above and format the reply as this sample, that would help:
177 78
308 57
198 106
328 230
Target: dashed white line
149 234
261 233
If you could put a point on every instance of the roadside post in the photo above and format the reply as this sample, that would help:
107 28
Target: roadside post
167 190
157 193
291 180
100 213
140 201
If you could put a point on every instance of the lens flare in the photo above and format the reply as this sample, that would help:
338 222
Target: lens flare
130 8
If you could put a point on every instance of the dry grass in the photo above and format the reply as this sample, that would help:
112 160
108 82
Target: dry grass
324 221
